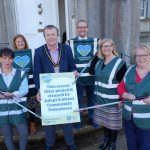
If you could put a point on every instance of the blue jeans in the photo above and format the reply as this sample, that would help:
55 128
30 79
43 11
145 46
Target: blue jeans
137 139
7 130
51 134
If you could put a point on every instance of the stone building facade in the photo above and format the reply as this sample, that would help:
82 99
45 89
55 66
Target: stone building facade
117 19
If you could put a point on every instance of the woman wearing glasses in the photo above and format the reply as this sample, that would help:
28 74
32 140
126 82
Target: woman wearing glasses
109 71
135 90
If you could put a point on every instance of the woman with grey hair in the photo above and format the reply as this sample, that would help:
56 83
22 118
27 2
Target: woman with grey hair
135 91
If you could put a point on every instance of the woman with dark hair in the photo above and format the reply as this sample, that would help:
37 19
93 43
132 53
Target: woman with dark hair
13 88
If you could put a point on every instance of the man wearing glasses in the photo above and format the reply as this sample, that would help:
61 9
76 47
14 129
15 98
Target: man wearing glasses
84 48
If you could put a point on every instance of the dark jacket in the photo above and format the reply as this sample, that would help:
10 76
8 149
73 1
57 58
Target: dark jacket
42 63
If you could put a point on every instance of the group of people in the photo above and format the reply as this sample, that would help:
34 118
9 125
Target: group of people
111 82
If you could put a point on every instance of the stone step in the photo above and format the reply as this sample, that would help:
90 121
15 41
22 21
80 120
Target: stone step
40 136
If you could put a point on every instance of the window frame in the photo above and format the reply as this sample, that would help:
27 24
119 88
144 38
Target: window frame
143 9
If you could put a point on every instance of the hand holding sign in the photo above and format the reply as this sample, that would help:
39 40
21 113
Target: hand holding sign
59 98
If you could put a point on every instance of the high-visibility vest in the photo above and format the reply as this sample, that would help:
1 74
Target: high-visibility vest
105 81
139 109
23 61
9 111
83 51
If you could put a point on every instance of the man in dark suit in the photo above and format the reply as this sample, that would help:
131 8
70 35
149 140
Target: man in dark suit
54 57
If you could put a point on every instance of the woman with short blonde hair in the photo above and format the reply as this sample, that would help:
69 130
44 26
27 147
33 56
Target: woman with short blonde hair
101 42
109 71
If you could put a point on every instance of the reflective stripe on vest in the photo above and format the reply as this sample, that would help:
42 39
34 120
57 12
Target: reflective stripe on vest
95 45
6 101
104 85
72 46
107 96
128 108
112 74
109 85
13 112
141 115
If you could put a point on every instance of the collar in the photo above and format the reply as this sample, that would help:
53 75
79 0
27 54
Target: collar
80 38
11 73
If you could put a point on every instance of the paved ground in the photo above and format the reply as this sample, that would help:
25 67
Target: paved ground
84 141
87 138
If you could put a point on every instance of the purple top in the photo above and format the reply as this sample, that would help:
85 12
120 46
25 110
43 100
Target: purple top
54 55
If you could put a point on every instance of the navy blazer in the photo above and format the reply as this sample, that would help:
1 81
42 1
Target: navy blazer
42 63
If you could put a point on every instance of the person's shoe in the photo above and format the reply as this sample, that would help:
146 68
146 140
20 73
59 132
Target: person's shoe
105 144
33 129
112 146
72 147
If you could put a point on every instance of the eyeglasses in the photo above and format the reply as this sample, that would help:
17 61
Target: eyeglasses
83 27
142 56
107 46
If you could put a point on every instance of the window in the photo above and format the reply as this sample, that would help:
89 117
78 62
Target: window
143 9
